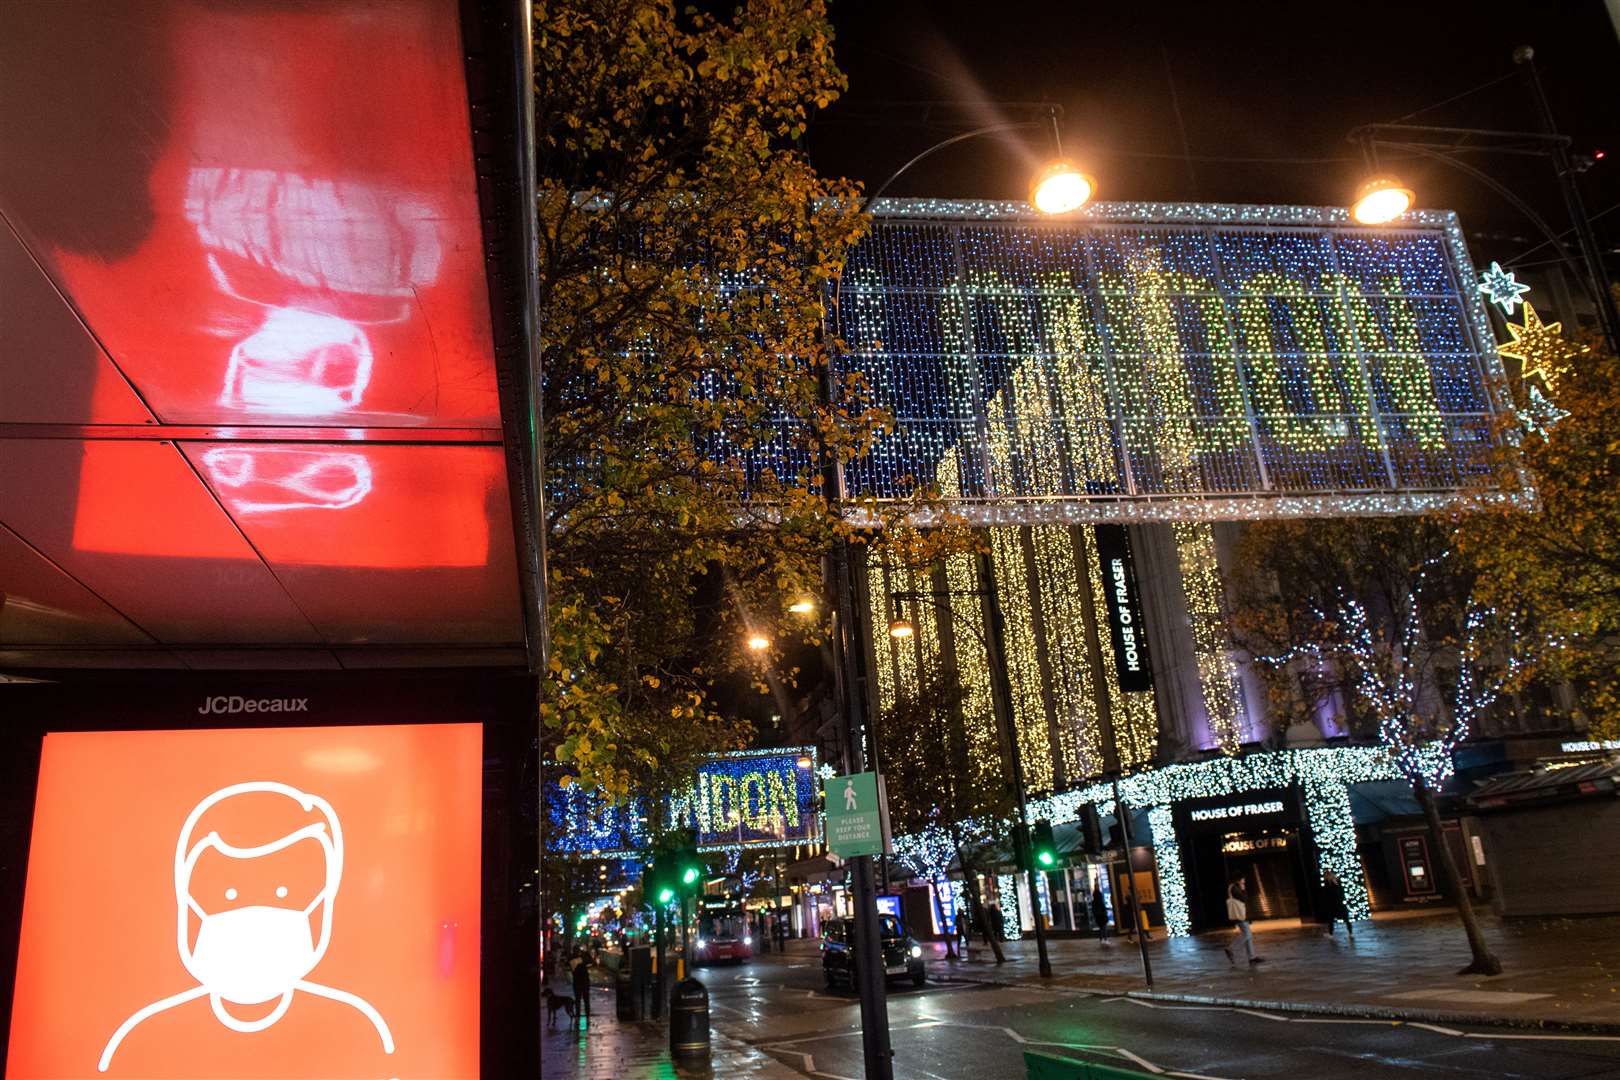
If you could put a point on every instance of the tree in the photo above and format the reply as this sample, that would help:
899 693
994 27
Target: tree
685 250
1554 554
1288 572
1383 611
937 785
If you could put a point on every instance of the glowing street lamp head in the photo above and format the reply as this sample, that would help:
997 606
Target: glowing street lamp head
1060 188
900 629
758 642
1381 200
802 606
805 761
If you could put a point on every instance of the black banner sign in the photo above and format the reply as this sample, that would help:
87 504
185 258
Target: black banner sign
1125 623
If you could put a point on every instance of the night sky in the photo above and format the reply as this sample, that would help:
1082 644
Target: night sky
1254 80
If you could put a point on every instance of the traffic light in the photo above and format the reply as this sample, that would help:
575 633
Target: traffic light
1044 846
688 869
656 884
1091 829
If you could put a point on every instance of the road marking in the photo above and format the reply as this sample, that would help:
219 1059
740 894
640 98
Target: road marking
1385 1022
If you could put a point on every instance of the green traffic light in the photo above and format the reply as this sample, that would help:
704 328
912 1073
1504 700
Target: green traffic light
666 894
689 875
1046 858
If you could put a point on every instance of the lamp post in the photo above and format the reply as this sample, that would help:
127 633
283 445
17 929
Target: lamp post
1001 703
1382 198
1055 190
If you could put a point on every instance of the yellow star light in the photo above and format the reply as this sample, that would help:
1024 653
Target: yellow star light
1540 348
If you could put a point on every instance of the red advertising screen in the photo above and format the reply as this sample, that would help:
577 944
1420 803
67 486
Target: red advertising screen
254 903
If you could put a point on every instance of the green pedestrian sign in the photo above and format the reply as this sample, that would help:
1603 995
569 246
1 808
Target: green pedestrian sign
855 814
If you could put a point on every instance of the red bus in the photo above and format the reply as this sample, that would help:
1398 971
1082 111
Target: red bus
723 932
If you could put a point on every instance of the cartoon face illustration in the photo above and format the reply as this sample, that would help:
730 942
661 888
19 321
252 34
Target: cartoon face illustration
245 952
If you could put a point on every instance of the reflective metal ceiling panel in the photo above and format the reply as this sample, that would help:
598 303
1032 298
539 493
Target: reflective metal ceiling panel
51 369
131 521
247 383
40 605
265 211
378 543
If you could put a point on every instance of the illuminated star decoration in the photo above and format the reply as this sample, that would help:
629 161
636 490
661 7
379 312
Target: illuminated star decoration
1539 347
1500 287
1539 414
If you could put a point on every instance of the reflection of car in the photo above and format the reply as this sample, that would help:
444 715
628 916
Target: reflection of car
901 954
722 935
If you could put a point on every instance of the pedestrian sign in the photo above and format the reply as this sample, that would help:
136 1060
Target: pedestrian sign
855 815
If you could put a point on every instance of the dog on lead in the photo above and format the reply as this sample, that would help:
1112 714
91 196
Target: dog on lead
556 1003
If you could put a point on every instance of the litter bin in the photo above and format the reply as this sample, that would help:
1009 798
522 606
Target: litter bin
624 997
689 1020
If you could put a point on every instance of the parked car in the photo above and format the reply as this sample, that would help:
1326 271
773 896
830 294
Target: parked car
902 956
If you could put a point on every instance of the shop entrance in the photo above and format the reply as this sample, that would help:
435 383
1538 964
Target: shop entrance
1268 864
1258 837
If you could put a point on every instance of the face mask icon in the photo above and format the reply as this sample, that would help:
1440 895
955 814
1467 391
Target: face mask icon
251 954
254 954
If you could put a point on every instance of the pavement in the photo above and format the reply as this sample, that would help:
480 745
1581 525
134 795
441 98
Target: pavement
1556 973
605 1048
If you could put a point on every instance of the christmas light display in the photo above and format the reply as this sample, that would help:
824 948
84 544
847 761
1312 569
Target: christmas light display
1049 663
1500 287
1172 882
1324 774
740 801
1007 900
1539 414
1273 360
1540 347
1217 672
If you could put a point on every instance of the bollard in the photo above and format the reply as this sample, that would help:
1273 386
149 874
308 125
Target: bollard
689 1020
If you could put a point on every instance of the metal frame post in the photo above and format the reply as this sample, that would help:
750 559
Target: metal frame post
1138 931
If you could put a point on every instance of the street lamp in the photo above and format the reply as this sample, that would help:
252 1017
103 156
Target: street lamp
802 606
876 1049
758 642
900 629
1060 188
1381 200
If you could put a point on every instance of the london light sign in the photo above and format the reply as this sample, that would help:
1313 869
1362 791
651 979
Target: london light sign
1152 361
748 799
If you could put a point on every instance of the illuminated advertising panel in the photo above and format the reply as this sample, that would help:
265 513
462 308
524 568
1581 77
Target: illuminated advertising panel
1168 361
253 902
746 799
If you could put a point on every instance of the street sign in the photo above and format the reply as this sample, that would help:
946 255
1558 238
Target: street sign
855 815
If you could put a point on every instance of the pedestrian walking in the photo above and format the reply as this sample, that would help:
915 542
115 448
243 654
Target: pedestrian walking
1237 909
1099 912
781 934
582 991
1333 904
